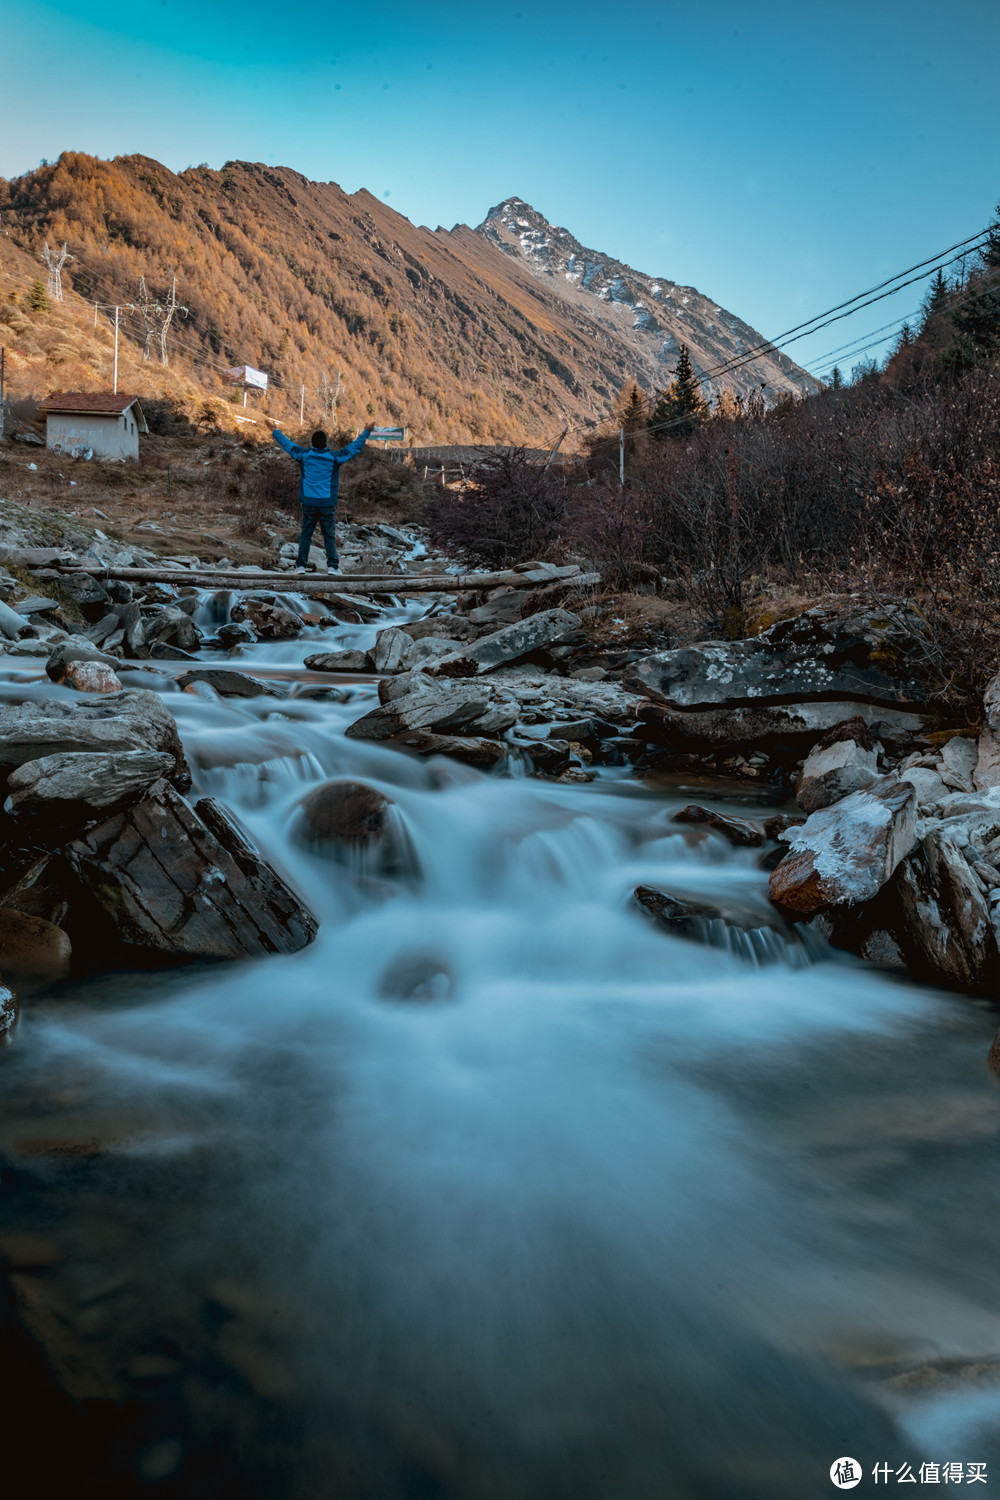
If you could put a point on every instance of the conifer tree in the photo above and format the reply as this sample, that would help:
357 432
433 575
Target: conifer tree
681 407
976 316
38 297
631 410
836 379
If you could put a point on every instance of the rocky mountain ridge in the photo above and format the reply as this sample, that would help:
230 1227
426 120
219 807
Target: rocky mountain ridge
352 311
652 315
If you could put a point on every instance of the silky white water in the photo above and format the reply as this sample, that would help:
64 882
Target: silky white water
507 1192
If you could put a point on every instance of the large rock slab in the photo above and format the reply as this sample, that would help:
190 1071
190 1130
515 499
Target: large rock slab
72 789
723 729
815 657
844 854
134 719
187 884
426 705
470 749
507 645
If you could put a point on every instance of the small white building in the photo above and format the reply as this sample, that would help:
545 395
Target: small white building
101 422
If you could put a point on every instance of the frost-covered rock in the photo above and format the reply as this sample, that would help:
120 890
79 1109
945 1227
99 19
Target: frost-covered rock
948 929
844 854
842 761
735 728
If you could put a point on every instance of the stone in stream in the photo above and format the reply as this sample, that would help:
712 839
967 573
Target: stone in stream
46 889
270 622
351 819
172 627
134 719
186 884
10 1012
340 661
80 649
231 636
738 831
32 948
88 592
470 749
417 978
230 684
392 647
424 705
92 677
843 760
507 645
844 854
72 789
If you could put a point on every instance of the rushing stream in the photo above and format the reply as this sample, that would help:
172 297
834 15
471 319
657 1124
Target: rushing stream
496 1191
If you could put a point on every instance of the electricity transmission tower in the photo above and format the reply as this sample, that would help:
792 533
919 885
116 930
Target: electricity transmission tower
55 264
157 316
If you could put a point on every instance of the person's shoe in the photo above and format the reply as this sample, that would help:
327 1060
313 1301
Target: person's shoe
300 570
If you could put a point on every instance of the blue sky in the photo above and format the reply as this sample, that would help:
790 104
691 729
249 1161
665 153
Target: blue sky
779 157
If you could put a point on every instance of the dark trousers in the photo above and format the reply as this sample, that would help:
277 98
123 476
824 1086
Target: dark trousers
326 515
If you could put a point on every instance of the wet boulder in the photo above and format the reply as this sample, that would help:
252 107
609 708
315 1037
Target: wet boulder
843 760
230 636
92 677
416 979
32 948
89 594
454 628
68 653
186 884
229 684
844 854
470 749
172 627
738 831
269 621
354 823
340 661
69 790
10 1012
392 647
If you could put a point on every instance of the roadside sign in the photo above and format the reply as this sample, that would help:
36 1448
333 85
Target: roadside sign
389 434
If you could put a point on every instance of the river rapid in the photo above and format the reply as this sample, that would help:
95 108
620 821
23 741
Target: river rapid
496 1191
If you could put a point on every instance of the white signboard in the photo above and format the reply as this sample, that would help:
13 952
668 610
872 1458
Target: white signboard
247 375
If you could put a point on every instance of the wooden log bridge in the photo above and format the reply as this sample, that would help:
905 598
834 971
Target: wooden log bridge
341 583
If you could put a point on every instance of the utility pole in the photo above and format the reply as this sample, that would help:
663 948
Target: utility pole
156 317
621 457
95 317
555 450
302 403
55 265
116 351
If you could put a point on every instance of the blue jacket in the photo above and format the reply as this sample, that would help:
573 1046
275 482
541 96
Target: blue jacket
319 468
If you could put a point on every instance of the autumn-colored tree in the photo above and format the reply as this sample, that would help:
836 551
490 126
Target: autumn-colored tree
631 410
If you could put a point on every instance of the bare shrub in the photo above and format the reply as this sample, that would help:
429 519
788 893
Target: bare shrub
509 511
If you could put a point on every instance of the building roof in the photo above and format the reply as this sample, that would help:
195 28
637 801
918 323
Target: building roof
105 403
